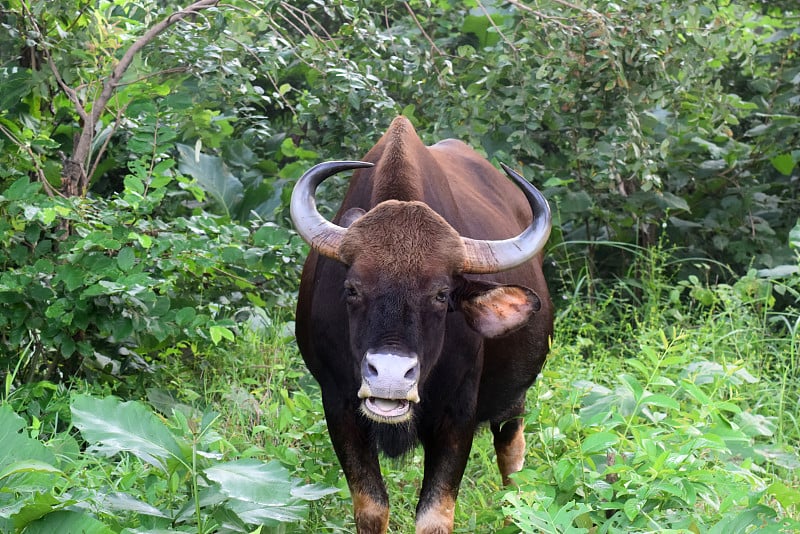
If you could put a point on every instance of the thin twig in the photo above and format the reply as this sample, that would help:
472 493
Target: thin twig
172 70
39 171
496 27
127 58
296 12
71 94
99 156
552 18
416 21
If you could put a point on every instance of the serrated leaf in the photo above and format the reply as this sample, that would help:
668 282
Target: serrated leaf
631 508
113 426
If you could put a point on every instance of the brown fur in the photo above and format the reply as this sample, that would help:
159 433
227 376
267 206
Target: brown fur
476 365
402 238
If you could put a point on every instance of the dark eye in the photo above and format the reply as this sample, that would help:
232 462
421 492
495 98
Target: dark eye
443 295
350 290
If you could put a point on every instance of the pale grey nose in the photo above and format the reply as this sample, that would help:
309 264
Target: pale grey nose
390 376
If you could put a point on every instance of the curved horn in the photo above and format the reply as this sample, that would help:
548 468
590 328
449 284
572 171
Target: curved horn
321 234
483 257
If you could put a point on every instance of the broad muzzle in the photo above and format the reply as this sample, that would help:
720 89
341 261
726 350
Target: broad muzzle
389 385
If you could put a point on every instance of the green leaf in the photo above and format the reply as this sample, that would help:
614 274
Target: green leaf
18 450
72 276
126 258
783 494
267 484
313 492
134 184
184 316
68 522
631 508
213 176
675 202
599 442
21 189
662 401
794 236
28 466
258 514
219 332
114 426
784 163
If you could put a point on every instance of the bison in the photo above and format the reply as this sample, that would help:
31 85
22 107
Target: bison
422 312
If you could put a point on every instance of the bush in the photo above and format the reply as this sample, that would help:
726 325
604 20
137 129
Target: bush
108 285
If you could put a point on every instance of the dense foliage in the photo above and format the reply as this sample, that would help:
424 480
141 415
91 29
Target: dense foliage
147 152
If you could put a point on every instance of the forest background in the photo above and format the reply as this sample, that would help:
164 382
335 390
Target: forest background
148 270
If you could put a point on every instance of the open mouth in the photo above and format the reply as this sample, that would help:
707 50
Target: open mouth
386 410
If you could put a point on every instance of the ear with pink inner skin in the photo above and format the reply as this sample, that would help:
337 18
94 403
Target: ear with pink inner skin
500 310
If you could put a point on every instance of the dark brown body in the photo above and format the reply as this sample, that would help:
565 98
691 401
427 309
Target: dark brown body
465 376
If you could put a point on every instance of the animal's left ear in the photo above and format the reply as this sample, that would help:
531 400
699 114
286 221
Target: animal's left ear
496 310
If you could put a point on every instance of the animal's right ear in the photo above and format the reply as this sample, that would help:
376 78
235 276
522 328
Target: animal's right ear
351 216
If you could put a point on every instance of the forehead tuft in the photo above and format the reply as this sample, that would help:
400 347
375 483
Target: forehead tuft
403 237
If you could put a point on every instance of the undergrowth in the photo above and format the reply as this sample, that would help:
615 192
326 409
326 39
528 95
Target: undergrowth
667 404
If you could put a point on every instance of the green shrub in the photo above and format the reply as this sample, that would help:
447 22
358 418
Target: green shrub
107 284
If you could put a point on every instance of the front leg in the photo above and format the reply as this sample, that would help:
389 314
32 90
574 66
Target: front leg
446 455
359 460
509 441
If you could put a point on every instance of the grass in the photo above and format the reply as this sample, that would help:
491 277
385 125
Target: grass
659 402
665 405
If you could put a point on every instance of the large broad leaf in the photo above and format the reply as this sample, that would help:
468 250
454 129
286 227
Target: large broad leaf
25 463
15 446
65 522
213 176
268 484
113 426
264 493
258 514
794 236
